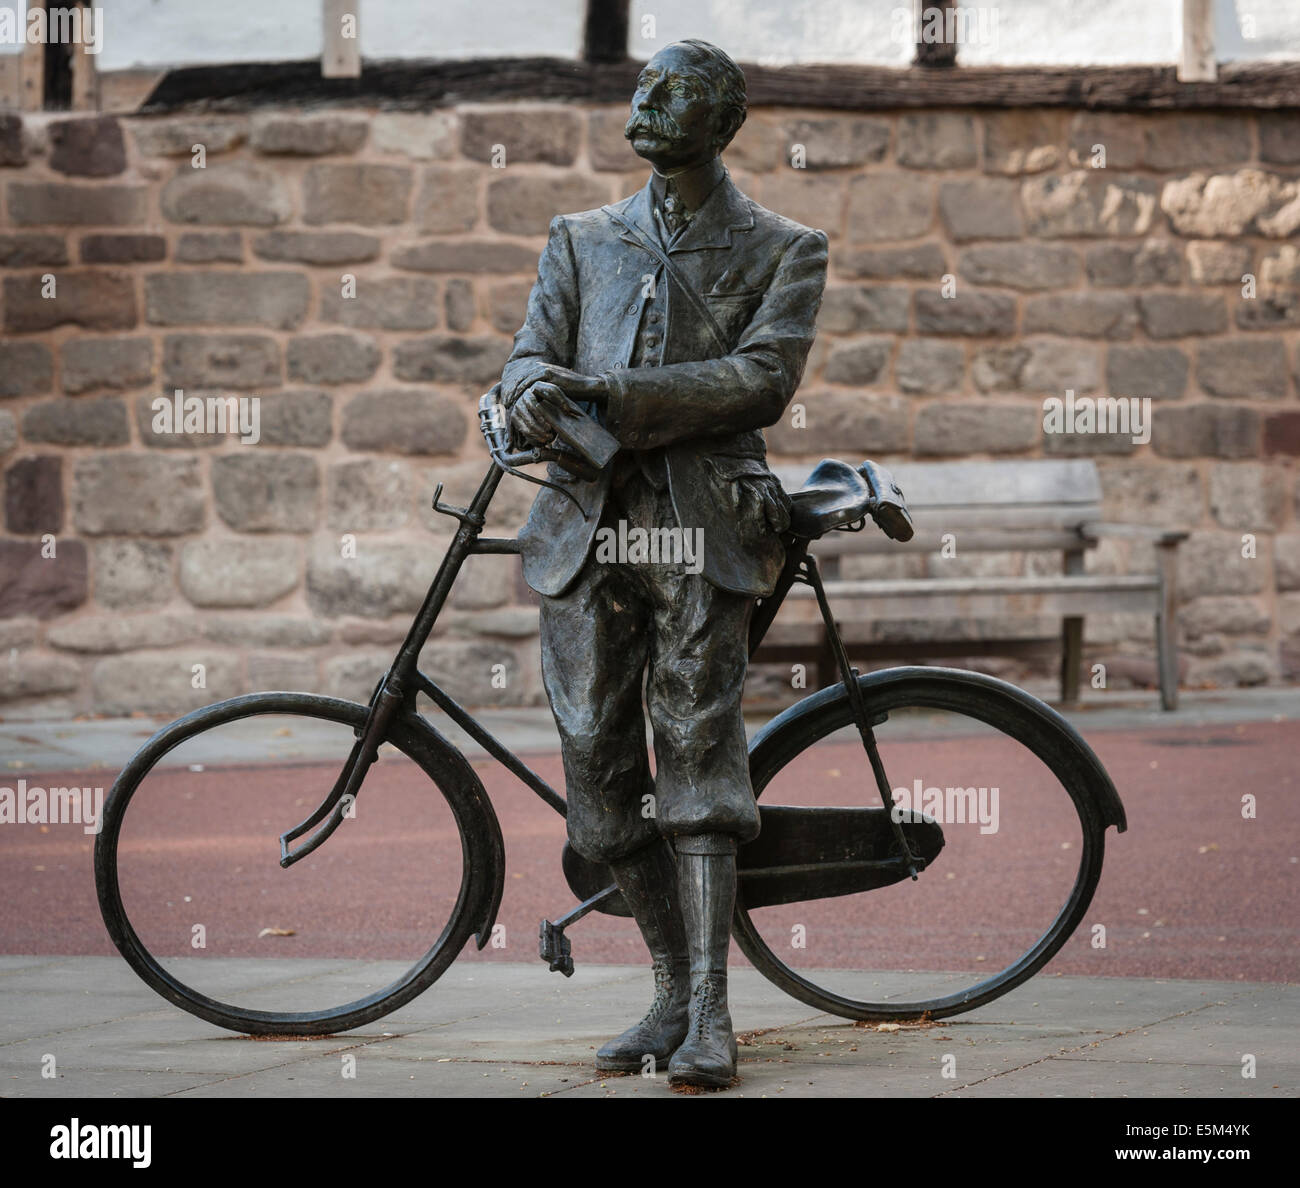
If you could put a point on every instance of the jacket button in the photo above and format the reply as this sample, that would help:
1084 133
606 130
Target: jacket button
653 319
652 340
631 309
618 366
634 437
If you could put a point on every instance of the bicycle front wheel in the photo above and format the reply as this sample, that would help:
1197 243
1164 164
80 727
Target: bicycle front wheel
187 866
1023 805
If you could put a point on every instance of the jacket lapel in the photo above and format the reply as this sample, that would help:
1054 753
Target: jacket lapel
724 211
637 211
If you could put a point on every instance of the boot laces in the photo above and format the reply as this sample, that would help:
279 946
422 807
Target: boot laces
664 994
707 997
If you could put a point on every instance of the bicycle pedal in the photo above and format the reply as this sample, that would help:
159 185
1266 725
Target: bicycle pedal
554 948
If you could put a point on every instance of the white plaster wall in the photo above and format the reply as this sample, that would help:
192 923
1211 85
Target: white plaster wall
19 9
158 33
1079 33
1257 30
471 28
153 33
1010 33
779 32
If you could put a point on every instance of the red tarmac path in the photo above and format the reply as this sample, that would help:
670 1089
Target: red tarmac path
1192 890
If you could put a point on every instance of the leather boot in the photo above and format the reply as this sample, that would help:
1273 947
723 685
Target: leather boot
707 866
648 880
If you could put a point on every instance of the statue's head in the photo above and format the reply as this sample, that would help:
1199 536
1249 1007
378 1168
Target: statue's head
689 103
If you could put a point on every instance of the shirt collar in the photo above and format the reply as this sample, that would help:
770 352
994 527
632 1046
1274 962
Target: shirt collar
693 185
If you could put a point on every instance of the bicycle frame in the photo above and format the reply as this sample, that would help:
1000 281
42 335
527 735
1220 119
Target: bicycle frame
396 693
803 853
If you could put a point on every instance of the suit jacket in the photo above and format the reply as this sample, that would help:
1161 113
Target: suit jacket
762 276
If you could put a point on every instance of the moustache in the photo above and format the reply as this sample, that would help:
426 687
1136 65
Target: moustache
659 125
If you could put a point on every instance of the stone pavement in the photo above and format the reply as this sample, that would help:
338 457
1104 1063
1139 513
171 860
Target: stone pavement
505 1030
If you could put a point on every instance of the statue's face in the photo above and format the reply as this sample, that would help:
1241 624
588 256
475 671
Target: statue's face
674 119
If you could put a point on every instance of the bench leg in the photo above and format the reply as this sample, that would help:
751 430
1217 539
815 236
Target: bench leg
1071 637
1071 657
1167 627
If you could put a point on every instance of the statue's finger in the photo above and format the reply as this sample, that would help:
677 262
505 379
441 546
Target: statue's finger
534 427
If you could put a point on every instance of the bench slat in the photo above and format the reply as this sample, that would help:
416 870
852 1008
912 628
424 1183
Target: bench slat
1087 583
977 598
963 484
1012 540
975 606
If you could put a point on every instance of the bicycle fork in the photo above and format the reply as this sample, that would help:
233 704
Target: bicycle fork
343 794
399 684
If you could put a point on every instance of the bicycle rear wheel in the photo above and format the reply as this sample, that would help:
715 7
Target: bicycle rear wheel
192 892
1023 804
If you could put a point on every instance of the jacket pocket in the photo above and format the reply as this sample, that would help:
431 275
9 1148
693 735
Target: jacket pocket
742 295
758 501
727 468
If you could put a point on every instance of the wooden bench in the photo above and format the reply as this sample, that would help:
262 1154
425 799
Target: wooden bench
964 508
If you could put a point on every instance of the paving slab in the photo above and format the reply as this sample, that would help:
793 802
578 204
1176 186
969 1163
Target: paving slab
507 1030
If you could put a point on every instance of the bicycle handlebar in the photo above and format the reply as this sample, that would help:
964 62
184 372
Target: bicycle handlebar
493 423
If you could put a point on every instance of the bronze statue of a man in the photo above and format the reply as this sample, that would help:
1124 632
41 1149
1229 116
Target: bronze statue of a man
680 319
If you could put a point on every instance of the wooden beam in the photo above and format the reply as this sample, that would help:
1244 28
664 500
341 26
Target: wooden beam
604 36
85 80
32 68
1196 63
341 28
419 85
1167 624
11 82
934 44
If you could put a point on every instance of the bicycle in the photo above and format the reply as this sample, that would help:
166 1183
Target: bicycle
806 857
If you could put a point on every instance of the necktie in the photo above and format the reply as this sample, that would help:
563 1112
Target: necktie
675 216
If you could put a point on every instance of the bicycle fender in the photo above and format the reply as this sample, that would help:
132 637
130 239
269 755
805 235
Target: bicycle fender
775 737
442 760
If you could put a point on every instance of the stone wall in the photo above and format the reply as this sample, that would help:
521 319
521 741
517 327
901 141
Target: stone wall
979 262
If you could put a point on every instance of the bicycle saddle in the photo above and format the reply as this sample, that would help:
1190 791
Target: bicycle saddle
836 495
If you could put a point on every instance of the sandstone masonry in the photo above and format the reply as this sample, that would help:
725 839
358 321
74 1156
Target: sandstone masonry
360 274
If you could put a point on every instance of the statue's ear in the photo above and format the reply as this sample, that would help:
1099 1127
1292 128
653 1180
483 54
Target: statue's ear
729 123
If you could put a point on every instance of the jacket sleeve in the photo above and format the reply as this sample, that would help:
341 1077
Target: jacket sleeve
550 330
748 388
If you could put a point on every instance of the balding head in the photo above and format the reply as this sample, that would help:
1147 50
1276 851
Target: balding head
689 103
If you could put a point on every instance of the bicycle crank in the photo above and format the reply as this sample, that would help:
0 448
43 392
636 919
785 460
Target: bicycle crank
553 946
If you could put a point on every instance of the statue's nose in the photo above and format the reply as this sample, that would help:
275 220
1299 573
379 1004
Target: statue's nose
649 100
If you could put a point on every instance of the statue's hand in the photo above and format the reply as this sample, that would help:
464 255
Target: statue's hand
527 421
573 384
